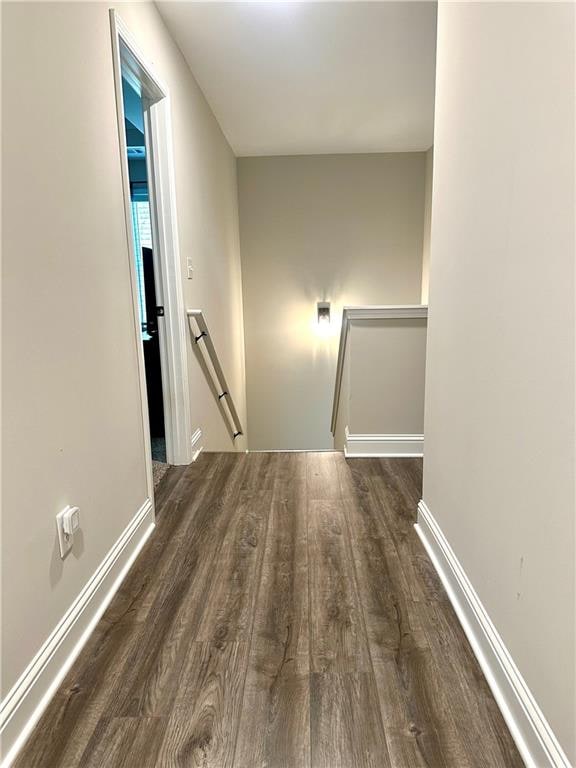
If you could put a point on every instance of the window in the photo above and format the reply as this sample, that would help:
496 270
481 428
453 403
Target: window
142 239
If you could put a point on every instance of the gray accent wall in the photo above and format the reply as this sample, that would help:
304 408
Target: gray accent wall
341 228
386 378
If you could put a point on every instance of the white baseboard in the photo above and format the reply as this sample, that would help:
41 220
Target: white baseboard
29 697
382 445
533 736
195 441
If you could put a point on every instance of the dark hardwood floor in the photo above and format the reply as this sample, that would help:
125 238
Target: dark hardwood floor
283 615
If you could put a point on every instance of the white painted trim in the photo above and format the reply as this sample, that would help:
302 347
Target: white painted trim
138 68
387 312
382 445
292 450
194 442
29 697
377 312
172 330
535 739
115 25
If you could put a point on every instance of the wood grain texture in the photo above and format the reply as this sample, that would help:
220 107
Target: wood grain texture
124 742
338 640
201 730
283 615
345 723
274 728
234 574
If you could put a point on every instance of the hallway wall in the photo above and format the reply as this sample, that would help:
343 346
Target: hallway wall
499 417
341 228
207 204
72 430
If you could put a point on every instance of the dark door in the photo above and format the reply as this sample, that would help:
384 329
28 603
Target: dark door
152 350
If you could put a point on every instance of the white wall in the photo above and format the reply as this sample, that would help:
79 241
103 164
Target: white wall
341 228
72 429
499 424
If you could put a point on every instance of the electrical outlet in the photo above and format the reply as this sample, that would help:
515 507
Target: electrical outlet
67 523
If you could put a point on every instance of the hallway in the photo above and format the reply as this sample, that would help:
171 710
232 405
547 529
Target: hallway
283 614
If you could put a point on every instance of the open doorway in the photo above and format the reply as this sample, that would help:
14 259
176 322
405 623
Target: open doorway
143 108
148 308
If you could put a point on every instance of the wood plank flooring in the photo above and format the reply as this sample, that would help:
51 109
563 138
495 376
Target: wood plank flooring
283 615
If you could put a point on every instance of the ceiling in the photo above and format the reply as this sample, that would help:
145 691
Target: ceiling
291 78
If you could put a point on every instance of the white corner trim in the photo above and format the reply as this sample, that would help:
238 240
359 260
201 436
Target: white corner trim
194 442
533 736
29 697
368 446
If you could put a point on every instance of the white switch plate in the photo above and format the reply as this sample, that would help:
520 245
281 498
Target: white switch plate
190 267
68 519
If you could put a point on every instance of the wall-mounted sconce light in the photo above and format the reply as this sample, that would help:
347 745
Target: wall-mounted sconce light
323 314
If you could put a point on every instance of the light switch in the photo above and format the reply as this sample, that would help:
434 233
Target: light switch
67 523
190 268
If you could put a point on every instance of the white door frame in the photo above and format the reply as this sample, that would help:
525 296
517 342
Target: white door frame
172 333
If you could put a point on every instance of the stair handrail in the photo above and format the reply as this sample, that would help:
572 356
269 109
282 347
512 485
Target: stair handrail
223 388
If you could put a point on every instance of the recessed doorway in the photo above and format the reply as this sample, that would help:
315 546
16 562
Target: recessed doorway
143 108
